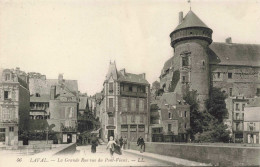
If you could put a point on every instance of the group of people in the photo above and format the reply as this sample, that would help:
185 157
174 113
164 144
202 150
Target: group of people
116 145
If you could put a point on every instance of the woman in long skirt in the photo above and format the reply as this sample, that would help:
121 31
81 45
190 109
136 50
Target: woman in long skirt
110 146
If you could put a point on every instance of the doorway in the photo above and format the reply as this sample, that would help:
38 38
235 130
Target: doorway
69 138
110 133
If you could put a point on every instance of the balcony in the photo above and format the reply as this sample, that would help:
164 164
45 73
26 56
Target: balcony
110 111
133 94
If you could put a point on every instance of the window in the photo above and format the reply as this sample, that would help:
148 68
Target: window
183 78
37 94
190 32
6 114
133 105
141 128
111 102
141 105
7 95
185 113
203 63
230 91
11 129
185 125
124 104
258 91
170 115
237 107
218 74
243 107
229 75
130 88
237 116
185 61
110 87
180 113
169 127
2 129
132 118
124 120
124 128
141 119
7 77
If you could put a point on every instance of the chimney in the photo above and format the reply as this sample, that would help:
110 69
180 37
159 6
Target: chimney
60 78
122 71
229 40
53 92
180 17
143 75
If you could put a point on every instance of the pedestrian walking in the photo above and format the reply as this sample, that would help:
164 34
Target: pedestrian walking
111 146
121 142
140 142
94 144
124 142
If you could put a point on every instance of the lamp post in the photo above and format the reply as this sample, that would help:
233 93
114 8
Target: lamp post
251 133
47 131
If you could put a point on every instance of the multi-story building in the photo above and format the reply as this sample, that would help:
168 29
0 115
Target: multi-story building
170 119
125 106
199 63
252 122
14 105
55 100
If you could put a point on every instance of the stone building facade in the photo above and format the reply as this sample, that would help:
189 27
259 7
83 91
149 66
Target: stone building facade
170 119
14 105
198 63
125 106
56 101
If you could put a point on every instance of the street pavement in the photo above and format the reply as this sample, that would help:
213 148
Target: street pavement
103 158
129 158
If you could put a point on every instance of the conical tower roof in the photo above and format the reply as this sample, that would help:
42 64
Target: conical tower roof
191 20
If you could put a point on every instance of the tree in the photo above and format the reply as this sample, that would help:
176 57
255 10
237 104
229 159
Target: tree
208 125
216 105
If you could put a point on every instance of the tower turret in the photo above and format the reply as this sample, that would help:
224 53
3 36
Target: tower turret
190 41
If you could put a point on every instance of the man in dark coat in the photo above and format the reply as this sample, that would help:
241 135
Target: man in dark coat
94 144
121 142
140 142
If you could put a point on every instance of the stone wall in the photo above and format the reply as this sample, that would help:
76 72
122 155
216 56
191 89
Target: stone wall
214 154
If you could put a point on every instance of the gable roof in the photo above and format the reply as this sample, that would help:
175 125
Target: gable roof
191 20
134 78
234 54
112 71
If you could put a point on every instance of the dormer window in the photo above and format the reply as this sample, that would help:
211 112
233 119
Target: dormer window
7 77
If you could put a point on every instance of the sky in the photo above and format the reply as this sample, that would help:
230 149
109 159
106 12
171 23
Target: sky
79 38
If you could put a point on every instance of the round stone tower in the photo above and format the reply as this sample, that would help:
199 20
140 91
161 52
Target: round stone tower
190 41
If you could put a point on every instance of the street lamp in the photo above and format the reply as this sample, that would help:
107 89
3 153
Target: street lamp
47 131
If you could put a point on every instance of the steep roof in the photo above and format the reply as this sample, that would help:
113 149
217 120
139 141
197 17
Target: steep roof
229 54
191 20
134 78
234 54
112 71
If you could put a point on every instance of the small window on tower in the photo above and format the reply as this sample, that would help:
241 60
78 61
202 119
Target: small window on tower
203 63
229 75
183 79
185 61
218 74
